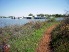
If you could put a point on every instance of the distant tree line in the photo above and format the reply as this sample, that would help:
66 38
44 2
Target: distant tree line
59 15
42 15
48 15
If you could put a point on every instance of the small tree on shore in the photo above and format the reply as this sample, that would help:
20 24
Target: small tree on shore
41 15
30 14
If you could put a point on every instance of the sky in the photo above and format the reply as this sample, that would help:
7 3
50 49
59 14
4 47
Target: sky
25 7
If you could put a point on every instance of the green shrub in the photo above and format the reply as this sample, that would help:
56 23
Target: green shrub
60 37
52 19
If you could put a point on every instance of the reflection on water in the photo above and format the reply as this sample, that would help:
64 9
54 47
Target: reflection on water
9 21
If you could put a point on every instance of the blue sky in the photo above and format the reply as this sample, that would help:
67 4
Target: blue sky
24 7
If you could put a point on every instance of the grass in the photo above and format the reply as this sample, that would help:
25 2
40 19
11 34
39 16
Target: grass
25 38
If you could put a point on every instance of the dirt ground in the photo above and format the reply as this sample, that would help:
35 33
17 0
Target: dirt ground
45 41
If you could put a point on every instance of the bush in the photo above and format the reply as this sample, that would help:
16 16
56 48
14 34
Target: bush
60 37
52 20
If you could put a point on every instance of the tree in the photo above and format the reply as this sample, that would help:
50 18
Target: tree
38 15
46 15
41 15
30 14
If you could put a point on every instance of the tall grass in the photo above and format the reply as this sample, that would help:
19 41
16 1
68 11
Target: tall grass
24 38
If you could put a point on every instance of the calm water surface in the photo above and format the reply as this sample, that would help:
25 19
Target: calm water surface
9 21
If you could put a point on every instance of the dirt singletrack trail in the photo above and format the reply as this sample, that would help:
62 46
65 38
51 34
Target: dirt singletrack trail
45 41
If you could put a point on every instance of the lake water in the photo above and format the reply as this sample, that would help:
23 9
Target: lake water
9 21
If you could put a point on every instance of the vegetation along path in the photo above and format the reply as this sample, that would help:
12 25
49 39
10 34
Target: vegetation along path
45 41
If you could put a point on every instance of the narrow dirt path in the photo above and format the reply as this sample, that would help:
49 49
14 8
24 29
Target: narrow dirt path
45 41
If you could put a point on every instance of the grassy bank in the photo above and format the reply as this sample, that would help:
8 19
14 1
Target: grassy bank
60 37
24 38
